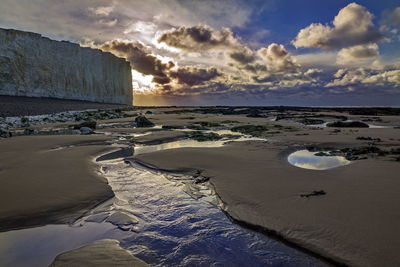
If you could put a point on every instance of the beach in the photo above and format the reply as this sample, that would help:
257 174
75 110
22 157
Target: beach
54 179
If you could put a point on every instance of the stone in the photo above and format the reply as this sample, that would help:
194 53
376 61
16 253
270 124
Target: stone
85 130
142 121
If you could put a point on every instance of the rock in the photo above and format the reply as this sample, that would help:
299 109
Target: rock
142 121
28 131
88 124
25 122
86 130
314 193
122 220
5 134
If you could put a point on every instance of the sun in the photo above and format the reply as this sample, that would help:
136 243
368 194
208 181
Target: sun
142 83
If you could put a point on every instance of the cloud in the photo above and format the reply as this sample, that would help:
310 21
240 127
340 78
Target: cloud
277 58
194 76
198 38
352 26
140 58
359 54
360 76
391 22
167 75
243 56
101 10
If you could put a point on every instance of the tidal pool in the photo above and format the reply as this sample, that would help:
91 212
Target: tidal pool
170 228
189 143
164 220
308 160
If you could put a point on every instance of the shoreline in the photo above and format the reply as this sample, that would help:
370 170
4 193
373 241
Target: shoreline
175 160
270 233
73 191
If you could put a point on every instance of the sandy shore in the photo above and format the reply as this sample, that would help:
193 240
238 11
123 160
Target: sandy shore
355 223
101 253
43 185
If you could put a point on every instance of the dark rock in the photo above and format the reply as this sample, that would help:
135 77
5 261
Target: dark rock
314 193
86 130
88 124
308 121
28 131
142 121
5 134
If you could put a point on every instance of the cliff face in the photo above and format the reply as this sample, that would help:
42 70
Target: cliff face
32 65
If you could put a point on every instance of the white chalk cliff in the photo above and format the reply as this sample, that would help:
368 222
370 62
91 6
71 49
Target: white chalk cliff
32 65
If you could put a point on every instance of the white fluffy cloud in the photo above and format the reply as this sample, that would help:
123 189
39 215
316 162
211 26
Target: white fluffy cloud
352 26
277 58
345 77
358 54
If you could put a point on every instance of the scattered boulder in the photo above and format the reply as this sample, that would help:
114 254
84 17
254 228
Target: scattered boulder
314 193
5 134
25 122
142 121
86 130
28 131
308 121
88 124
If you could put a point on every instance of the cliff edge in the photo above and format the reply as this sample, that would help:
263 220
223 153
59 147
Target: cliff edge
33 65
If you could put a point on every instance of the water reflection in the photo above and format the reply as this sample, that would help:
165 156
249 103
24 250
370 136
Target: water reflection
189 143
308 160
172 229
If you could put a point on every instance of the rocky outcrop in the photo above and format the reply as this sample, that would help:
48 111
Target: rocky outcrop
32 65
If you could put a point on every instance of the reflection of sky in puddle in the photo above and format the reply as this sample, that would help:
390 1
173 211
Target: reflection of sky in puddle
38 246
220 132
307 160
188 143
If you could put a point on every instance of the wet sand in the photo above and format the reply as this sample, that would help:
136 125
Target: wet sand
42 185
355 223
101 253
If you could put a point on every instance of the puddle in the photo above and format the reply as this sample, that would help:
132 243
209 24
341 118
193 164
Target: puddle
37 247
189 143
308 160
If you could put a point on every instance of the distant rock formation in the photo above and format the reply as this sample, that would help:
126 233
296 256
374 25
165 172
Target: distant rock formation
32 65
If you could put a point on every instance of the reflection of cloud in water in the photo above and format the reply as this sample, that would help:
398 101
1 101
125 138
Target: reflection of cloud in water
189 143
307 160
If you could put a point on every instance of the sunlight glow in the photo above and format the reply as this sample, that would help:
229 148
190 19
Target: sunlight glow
142 83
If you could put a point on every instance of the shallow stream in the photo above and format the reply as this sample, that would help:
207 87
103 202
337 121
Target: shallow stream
154 217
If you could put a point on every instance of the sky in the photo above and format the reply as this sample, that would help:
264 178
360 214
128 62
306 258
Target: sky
235 52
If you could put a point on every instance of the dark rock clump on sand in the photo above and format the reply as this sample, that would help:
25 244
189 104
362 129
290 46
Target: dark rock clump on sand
89 124
142 121
202 137
314 193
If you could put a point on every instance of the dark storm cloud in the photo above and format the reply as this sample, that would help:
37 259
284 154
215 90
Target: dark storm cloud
243 56
194 76
196 38
140 58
